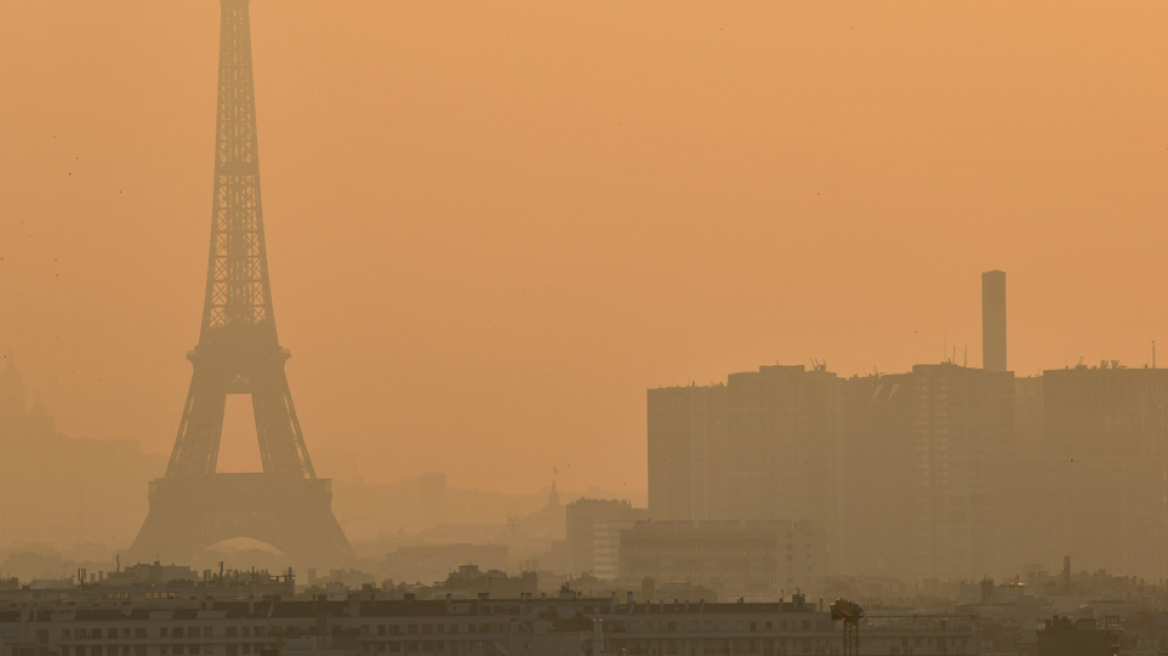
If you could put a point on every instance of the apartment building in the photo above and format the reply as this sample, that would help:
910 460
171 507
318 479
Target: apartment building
566 624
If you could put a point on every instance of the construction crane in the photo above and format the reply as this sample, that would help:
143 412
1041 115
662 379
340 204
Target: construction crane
850 613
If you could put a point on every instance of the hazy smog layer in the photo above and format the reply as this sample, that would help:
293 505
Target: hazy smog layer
626 306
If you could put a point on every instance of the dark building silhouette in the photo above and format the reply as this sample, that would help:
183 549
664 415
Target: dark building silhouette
469 581
877 472
993 320
1063 636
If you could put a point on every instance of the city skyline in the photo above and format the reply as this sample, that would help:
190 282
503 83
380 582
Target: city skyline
541 227
618 329
630 329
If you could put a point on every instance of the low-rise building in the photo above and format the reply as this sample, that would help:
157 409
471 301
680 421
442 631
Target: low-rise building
750 559
566 624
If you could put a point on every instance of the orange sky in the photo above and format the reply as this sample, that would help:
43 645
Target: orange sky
491 226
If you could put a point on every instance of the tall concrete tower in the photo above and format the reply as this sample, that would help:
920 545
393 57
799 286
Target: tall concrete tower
993 321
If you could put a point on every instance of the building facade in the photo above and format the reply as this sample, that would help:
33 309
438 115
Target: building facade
594 532
686 433
566 625
963 434
736 558
877 474
1103 467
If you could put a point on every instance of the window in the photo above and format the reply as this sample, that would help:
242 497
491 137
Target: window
413 629
162 649
112 634
259 631
162 633
232 650
427 629
42 636
95 634
246 633
231 631
208 631
380 629
139 650
140 632
454 629
177 650
178 632
65 634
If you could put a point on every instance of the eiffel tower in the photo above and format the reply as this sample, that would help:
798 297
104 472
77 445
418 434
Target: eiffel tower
192 507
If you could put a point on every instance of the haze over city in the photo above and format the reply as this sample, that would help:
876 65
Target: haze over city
491 228
603 328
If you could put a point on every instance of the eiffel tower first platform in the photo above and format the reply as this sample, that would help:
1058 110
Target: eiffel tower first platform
192 507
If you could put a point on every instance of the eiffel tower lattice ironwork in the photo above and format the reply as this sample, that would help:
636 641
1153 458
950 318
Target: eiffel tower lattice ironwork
192 507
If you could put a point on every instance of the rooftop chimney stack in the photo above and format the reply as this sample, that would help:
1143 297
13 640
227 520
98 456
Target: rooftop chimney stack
993 321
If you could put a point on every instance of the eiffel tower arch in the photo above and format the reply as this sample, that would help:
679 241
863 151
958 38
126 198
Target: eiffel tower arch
192 507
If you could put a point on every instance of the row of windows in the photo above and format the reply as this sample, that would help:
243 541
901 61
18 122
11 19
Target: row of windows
432 629
711 626
420 646
163 632
163 650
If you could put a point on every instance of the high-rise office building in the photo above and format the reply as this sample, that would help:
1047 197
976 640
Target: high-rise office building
782 442
762 447
877 473
1104 467
964 432
687 430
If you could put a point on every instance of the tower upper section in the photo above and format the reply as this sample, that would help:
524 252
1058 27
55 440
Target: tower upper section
238 292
